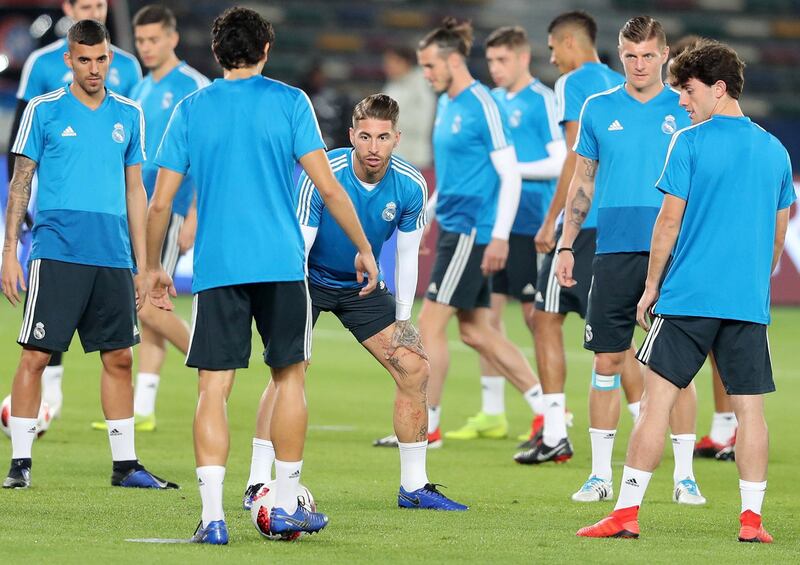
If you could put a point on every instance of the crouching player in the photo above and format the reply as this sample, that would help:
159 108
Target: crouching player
388 193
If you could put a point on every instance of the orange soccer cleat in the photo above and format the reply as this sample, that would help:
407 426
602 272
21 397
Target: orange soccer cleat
622 523
752 531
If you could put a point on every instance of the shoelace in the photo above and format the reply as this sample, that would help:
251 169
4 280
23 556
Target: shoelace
690 485
431 487
592 482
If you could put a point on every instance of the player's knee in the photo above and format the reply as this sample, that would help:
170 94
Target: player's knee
34 361
471 335
119 360
609 363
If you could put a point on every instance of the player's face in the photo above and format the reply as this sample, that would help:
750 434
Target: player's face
506 65
699 99
559 52
86 10
374 140
643 62
89 64
435 68
155 44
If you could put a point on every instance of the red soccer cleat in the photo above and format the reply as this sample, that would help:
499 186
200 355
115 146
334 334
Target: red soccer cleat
435 439
622 523
752 531
707 448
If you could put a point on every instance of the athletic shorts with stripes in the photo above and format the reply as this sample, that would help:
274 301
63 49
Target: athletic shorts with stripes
677 346
171 252
520 276
456 279
222 325
550 296
364 316
99 302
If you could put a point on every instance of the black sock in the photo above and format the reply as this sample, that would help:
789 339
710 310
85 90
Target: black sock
22 462
126 466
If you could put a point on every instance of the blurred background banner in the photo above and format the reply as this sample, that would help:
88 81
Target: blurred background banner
341 50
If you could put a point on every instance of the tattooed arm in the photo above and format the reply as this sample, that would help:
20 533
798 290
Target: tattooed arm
579 202
19 194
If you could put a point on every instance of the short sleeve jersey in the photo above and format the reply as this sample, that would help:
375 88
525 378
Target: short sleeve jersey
81 155
241 140
467 129
45 71
572 89
397 202
532 119
629 139
734 177
158 100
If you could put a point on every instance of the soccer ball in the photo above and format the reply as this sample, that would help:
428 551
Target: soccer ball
263 502
42 423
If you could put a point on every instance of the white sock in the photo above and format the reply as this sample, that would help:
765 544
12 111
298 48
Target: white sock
23 432
210 479
51 385
413 475
683 451
493 398
261 462
120 435
634 484
535 400
633 408
144 397
287 474
555 424
752 495
434 414
723 427
602 448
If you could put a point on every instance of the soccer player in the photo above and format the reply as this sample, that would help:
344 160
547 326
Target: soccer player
44 71
86 144
728 188
240 137
530 107
572 42
167 83
477 196
388 193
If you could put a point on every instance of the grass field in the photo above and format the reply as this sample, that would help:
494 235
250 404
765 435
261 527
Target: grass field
518 514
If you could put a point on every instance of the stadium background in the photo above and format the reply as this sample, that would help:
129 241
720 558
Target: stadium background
343 41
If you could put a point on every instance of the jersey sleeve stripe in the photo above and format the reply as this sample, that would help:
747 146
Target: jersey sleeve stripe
129 56
130 102
199 79
672 142
27 68
550 109
303 202
421 217
492 116
583 110
561 102
27 118
409 168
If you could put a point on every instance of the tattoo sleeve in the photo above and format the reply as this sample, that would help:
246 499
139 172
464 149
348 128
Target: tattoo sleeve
590 168
406 335
581 205
19 195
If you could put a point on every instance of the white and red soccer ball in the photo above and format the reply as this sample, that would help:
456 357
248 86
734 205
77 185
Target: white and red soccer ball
42 422
263 502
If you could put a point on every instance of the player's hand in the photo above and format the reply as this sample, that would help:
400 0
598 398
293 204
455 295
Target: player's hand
565 262
406 335
365 264
494 257
160 288
545 239
13 278
187 233
644 310
424 249
140 287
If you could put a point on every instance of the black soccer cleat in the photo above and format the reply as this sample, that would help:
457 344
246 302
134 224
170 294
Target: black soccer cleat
19 475
132 474
249 494
543 453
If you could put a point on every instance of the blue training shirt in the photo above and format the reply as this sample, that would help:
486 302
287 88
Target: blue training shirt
572 89
241 140
468 128
734 177
533 122
397 202
81 155
629 139
45 71
158 100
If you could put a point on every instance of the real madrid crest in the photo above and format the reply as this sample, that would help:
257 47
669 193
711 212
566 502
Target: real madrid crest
118 134
166 102
669 126
515 118
389 212
456 127
113 77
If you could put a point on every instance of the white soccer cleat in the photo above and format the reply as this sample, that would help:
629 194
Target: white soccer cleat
687 492
594 489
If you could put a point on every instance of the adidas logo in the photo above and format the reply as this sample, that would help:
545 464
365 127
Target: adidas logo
528 290
69 132
632 482
432 288
115 432
615 126
554 405
539 297
295 475
32 430
200 482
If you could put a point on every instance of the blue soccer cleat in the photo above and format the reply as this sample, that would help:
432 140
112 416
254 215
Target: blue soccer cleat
139 477
303 520
249 494
216 533
427 498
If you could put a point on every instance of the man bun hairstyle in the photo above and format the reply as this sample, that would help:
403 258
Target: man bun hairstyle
238 37
710 61
451 37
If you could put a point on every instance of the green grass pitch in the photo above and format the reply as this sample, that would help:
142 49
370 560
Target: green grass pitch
518 514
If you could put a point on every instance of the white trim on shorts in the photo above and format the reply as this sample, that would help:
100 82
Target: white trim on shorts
195 303
647 346
456 266
552 297
33 294
172 250
309 324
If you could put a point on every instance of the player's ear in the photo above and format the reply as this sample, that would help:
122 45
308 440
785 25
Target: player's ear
68 59
352 133
175 39
266 51
720 89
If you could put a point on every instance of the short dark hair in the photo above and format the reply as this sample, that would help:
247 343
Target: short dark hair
643 28
513 37
155 14
576 18
403 52
452 36
377 107
88 32
708 62
238 37
684 43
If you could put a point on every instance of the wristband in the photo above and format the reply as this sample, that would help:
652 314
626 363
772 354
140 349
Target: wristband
560 249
